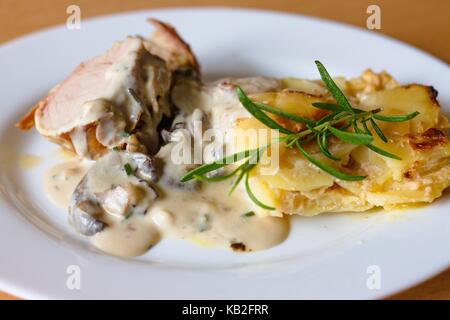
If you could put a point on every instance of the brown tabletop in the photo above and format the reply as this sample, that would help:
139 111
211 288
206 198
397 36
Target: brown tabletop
422 23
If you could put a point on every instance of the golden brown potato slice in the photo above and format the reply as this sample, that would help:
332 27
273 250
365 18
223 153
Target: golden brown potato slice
402 100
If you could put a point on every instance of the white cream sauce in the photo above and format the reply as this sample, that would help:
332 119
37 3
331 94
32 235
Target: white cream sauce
207 216
212 218
201 213
29 161
61 180
127 237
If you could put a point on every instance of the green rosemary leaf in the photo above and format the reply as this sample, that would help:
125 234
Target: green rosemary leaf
282 139
127 169
330 170
324 139
378 130
375 148
208 167
402 118
383 152
236 182
252 196
249 164
257 113
351 137
355 127
333 88
283 114
341 115
215 178
205 168
328 106
366 128
290 141
312 129
322 143
328 117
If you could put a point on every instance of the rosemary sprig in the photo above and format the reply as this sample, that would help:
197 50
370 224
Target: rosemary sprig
342 117
338 174
327 106
209 167
252 196
402 118
283 114
333 88
378 130
258 113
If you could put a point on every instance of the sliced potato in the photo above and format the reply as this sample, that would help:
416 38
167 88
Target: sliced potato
292 101
403 100
307 86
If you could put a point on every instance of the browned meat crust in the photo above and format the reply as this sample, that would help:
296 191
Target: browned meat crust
171 47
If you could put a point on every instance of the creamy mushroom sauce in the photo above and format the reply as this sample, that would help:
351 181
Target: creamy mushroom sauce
205 216
130 224
61 180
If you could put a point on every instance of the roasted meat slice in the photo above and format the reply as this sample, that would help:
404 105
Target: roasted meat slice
113 93
116 99
169 46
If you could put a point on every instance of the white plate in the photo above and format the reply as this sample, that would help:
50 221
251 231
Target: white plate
324 257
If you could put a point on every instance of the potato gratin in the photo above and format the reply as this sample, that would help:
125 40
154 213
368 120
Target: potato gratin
142 127
421 175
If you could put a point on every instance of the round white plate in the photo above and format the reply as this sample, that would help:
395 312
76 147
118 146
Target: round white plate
331 256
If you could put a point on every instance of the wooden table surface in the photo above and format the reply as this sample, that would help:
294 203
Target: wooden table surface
422 23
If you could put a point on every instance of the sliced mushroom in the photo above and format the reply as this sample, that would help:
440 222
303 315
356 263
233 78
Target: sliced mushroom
118 185
84 213
146 168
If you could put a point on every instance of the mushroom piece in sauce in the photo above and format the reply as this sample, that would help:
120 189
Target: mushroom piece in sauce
118 185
